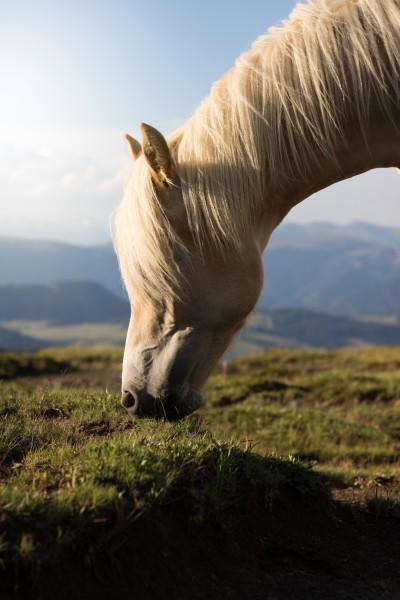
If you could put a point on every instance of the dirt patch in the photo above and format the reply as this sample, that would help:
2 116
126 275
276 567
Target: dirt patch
379 496
102 428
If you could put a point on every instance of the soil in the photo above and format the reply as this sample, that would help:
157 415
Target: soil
300 548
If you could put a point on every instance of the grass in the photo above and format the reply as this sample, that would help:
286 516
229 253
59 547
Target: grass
58 361
75 470
71 460
330 407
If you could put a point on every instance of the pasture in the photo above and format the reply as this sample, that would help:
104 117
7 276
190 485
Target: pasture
286 485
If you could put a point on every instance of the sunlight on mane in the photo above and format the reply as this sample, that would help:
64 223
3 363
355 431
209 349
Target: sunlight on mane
269 119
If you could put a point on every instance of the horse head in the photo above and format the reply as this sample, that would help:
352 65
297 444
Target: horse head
186 302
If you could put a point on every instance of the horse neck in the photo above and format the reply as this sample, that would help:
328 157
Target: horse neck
375 145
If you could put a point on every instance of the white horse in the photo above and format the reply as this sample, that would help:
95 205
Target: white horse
312 103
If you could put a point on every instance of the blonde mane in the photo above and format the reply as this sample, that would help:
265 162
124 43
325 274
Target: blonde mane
269 119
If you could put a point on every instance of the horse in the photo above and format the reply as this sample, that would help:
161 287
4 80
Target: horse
313 102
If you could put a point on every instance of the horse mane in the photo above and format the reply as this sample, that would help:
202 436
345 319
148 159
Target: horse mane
271 118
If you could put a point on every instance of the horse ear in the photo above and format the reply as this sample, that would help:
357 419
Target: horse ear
134 147
156 153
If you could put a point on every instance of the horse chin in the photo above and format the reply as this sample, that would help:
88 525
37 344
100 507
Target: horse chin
184 405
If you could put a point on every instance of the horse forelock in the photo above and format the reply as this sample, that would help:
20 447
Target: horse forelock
144 239
269 119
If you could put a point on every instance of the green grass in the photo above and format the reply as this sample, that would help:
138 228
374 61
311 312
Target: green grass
329 407
75 468
70 461
58 361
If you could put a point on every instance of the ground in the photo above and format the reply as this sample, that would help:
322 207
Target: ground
335 537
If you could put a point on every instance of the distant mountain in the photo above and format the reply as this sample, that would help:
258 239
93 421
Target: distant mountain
378 300
317 233
306 328
69 304
61 303
321 267
31 261
310 271
12 340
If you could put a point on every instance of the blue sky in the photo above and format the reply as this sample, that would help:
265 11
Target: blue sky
75 75
81 63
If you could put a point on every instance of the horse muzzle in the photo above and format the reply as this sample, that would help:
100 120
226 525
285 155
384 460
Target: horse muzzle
169 408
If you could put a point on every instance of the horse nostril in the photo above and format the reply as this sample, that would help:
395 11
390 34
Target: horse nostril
128 400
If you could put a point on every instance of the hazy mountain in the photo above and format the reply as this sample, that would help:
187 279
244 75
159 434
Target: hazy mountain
61 303
321 267
306 328
31 261
313 234
378 300
310 270
322 279
69 304
12 340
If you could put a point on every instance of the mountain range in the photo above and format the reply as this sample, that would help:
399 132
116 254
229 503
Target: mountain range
348 270
43 262
64 303
331 269
324 286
